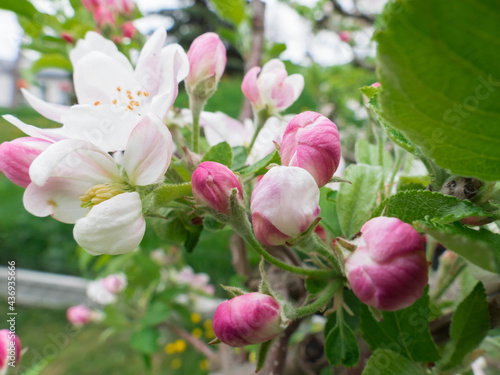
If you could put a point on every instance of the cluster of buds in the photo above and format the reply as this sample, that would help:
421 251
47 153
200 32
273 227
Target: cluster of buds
106 12
10 350
104 291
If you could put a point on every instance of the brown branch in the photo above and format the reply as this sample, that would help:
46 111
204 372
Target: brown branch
196 343
254 59
358 15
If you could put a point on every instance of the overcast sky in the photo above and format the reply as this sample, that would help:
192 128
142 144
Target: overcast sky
283 25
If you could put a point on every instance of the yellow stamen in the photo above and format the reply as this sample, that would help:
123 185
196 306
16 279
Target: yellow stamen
100 193
146 93
139 93
129 96
115 101
97 102
129 92
118 89
136 104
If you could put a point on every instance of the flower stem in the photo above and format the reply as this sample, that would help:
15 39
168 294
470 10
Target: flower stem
196 104
322 300
313 244
260 118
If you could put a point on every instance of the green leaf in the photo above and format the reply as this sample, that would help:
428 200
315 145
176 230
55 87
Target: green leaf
21 7
211 224
262 354
145 341
367 153
171 229
355 201
480 247
329 218
443 95
413 183
52 61
469 325
405 331
230 10
193 236
220 153
341 346
157 313
387 362
239 156
259 167
414 205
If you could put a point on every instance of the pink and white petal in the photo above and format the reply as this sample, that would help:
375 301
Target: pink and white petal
51 135
148 152
51 111
297 83
219 127
96 42
175 61
148 67
58 197
249 86
273 66
115 226
97 77
106 126
75 160
161 103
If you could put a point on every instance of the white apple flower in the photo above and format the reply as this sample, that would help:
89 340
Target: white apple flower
77 182
112 96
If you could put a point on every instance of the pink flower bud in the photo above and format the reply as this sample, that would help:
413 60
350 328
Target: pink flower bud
207 59
128 30
67 37
388 270
247 319
121 6
79 315
16 157
10 349
311 141
212 184
345 36
91 5
104 16
376 84
114 283
272 88
284 204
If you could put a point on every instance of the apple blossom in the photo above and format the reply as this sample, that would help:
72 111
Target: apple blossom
16 157
10 349
77 182
212 184
284 204
112 96
272 89
388 270
247 319
311 141
79 315
207 60
114 283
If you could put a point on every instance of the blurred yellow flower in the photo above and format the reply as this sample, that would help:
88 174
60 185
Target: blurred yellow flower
197 333
170 348
180 345
176 364
195 317
205 364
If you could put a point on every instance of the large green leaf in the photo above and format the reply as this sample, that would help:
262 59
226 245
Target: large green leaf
328 215
469 325
480 247
413 205
438 66
405 331
21 7
220 153
230 10
355 201
387 362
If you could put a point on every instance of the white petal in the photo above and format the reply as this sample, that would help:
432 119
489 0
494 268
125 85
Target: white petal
96 42
177 59
59 197
52 135
115 226
161 103
97 77
74 160
149 65
51 111
148 152
106 126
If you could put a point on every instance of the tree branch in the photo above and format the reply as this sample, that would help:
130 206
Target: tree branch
358 15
